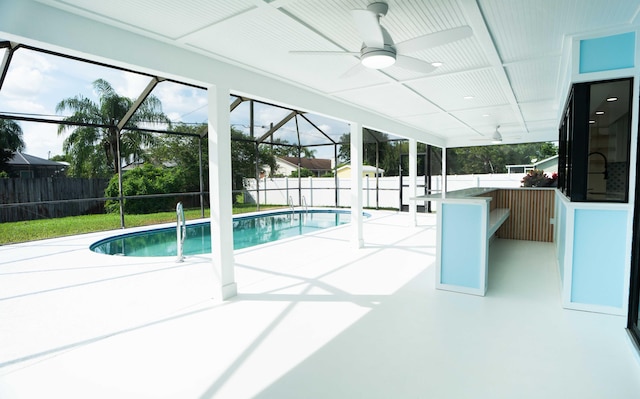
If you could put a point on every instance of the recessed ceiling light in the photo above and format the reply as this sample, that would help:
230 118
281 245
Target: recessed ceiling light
592 122
611 99
486 115
436 64
468 97
599 112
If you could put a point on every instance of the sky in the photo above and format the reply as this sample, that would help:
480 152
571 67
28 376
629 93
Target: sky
36 82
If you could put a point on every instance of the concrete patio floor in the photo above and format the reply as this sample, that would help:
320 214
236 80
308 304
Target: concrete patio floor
314 318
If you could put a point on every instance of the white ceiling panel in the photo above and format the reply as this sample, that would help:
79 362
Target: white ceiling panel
540 110
490 116
534 80
392 100
435 122
166 18
449 91
527 29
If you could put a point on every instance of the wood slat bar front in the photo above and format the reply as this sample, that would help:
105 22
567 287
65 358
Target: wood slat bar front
531 213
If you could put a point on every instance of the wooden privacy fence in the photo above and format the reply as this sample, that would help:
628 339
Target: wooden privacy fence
530 215
43 198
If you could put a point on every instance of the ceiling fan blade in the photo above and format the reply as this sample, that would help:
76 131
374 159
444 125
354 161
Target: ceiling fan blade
414 64
434 39
369 28
356 69
324 53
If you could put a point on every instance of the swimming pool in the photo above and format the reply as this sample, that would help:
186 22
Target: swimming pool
247 232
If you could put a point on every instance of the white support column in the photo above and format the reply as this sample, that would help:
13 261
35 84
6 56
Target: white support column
220 193
443 183
356 185
413 181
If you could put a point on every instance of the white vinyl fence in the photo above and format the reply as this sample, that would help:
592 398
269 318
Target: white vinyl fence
321 191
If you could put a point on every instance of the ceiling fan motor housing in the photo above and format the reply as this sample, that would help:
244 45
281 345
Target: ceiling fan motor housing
379 8
378 58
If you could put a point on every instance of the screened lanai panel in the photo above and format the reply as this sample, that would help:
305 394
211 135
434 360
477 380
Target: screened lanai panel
36 82
334 129
181 104
264 115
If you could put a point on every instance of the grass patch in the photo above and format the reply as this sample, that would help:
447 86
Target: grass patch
31 230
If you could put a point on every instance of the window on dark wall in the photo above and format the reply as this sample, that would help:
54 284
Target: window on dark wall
595 135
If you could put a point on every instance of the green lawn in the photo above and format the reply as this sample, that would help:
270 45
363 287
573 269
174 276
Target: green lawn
32 230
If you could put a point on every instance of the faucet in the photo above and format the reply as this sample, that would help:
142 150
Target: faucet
606 170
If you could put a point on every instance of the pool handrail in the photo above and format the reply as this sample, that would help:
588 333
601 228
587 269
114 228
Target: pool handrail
290 203
181 231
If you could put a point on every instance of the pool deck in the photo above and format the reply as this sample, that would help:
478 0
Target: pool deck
314 318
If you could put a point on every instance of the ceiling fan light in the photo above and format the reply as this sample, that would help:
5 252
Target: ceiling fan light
378 59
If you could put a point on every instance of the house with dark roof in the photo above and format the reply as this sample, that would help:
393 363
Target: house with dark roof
29 166
287 165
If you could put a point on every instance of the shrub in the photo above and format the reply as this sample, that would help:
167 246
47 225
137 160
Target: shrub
537 178
144 180
304 172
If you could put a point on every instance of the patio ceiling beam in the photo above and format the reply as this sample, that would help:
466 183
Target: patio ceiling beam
473 12
276 127
143 96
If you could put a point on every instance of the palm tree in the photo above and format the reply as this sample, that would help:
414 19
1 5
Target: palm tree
92 144
10 140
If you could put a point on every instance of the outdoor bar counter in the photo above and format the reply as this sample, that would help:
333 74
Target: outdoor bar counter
468 219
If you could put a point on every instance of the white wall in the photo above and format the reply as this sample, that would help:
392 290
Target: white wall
320 191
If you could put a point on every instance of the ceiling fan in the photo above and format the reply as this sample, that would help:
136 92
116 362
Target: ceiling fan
378 49
496 137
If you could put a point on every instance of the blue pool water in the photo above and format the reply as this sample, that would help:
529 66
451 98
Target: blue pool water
247 231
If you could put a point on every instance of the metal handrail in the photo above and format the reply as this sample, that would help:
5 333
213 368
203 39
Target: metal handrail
290 203
304 204
181 231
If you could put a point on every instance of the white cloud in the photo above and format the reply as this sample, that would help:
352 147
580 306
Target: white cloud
182 103
24 105
41 139
129 84
27 76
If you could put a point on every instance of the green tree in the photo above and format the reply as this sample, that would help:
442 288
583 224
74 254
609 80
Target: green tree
389 154
304 172
494 158
243 158
10 141
181 153
145 180
385 151
280 150
92 144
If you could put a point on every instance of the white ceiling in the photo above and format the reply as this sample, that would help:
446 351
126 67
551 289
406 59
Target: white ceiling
511 65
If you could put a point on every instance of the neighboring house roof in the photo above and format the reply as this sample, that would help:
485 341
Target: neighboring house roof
309 163
545 161
553 160
20 159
